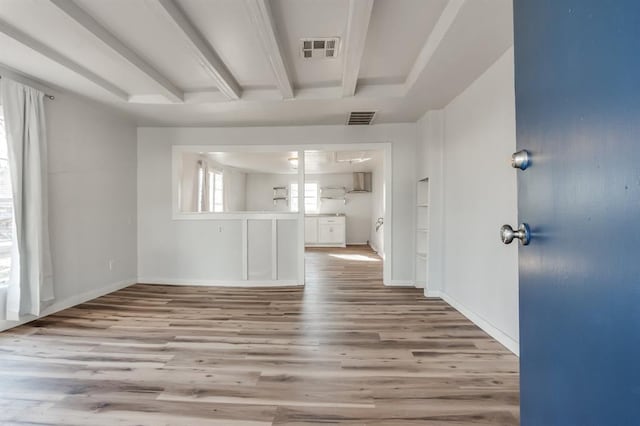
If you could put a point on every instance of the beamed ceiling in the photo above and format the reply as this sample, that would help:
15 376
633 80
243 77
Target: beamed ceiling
240 62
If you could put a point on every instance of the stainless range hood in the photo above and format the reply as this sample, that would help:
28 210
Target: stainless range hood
361 182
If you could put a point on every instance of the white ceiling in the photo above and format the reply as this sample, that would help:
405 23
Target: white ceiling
316 162
238 62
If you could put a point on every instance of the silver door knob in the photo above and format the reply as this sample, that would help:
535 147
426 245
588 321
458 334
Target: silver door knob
508 234
521 160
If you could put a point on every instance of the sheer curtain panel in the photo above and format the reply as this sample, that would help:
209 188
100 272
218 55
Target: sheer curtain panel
31 278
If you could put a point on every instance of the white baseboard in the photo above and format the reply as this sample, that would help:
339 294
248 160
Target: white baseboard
374 248
492 331
69 302
400 283
432 293
218 283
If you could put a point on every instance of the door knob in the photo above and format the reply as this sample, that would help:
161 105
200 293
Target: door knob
507 234
521 160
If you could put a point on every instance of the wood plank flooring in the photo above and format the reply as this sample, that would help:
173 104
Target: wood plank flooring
344 350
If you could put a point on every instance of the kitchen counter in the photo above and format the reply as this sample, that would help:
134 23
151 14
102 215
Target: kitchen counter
325 215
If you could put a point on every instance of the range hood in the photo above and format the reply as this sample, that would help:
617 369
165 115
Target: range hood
361 182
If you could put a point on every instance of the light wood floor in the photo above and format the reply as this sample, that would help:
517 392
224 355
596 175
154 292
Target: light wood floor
344 350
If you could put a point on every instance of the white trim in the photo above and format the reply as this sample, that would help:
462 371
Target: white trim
62 60
70 302
274 249
301 215
400 283
86 21
218 283
245 249
262 19
386 147
355 40
235 216
388 214
502 338
207 57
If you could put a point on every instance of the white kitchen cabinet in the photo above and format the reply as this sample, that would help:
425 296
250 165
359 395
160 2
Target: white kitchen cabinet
310 230
325 231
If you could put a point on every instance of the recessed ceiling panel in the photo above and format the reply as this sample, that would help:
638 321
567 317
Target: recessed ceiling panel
47 24
227 27
311 19
23 60
397 31
142 26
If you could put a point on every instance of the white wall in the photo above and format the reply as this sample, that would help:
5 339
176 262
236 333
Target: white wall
92 199
171 249
259 193
479 274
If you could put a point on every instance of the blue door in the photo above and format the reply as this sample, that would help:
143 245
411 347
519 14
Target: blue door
578 113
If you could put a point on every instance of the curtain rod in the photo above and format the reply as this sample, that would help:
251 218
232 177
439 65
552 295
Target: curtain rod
46 95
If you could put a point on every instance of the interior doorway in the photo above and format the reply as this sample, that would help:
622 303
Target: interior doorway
344 210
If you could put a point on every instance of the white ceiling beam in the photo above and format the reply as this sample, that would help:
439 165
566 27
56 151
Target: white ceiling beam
365 92
208 58
62 60
440 29
355 40
262 20
71 9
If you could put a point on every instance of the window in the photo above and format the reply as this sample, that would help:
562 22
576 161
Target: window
310 197
210 189
218 192
6 208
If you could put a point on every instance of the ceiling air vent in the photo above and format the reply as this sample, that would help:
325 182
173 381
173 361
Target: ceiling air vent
363 118
319 48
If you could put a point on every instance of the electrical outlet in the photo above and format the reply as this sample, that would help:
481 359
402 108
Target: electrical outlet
219 228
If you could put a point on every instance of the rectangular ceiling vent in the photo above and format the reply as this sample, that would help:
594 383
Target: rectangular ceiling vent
319 48
361 118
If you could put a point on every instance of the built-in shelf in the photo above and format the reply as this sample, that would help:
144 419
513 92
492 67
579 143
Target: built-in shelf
280 193
422 232
333 193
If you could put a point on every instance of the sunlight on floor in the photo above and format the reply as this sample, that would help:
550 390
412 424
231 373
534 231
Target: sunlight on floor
357 257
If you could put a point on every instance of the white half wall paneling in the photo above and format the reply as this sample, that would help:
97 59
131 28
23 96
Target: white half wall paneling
287 248
260 249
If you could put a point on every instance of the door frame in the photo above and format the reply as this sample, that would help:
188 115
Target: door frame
387 164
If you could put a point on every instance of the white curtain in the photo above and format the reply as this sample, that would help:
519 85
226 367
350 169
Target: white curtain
201 183
31 278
